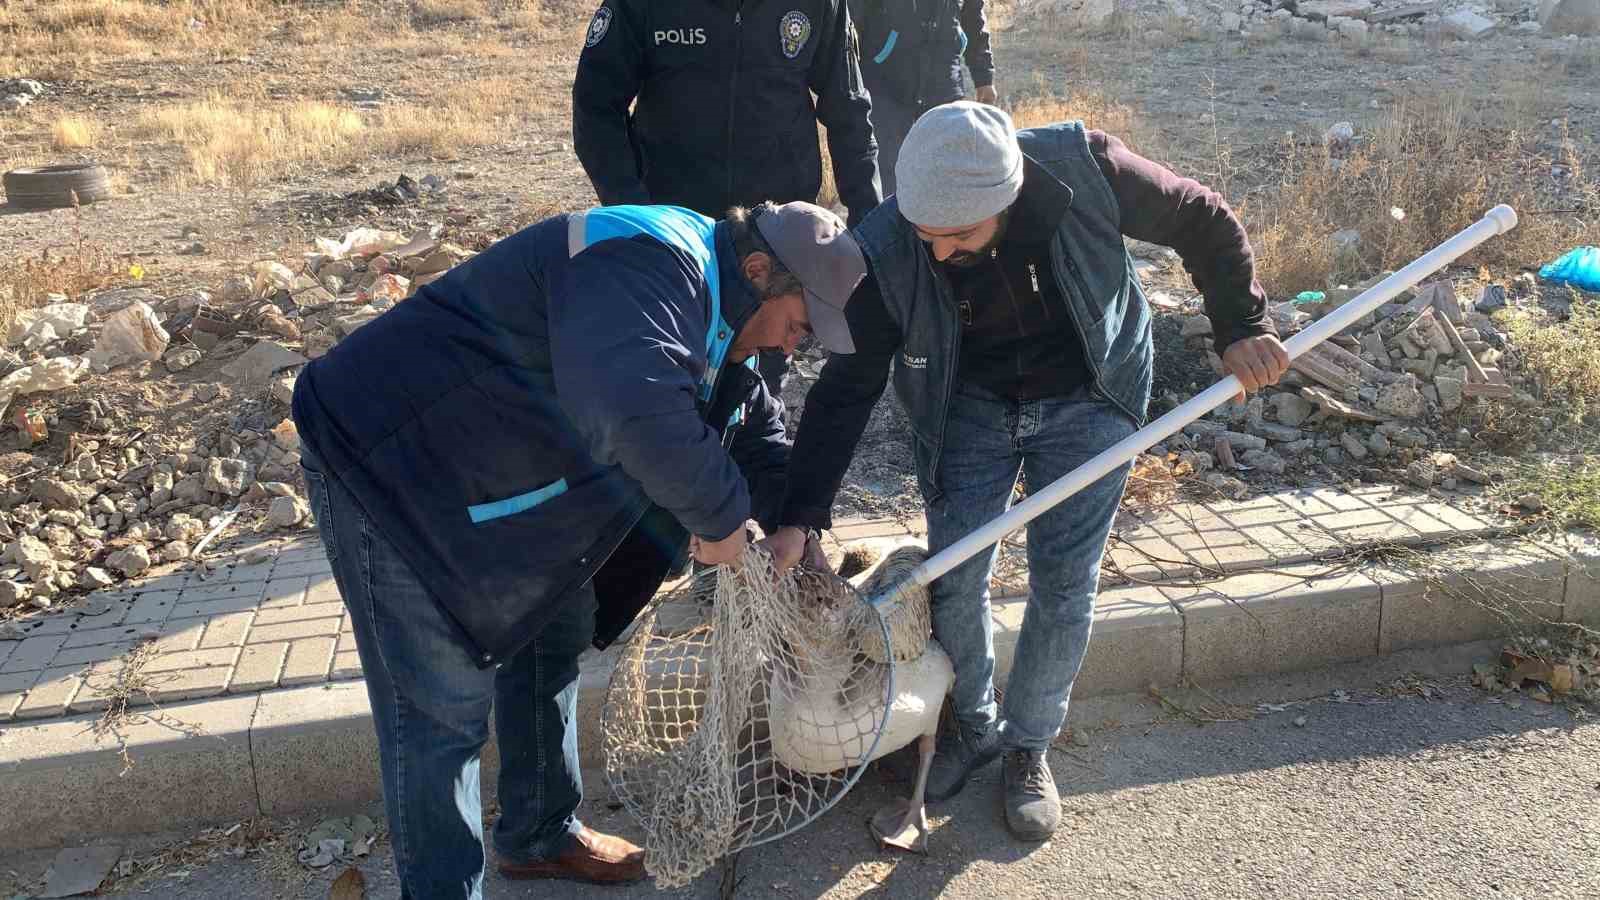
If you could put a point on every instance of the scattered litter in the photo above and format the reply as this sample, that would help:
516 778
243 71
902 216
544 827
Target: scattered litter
133 333
1579 267
337 839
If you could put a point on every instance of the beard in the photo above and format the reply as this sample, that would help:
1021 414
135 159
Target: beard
966 259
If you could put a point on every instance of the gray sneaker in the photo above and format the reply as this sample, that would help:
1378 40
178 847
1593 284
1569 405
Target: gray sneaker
1033 807
959 754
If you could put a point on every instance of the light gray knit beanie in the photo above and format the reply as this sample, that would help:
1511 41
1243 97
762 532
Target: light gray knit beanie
960 164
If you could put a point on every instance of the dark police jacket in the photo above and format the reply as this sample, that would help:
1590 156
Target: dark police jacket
912 49
722 110
563 393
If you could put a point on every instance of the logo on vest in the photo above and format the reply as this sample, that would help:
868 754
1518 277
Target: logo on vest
598 26
688 37
794 30
913 362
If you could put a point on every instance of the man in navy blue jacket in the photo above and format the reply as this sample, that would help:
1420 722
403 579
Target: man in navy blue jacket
504 467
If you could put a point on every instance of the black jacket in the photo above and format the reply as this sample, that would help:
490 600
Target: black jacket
722 110
913 49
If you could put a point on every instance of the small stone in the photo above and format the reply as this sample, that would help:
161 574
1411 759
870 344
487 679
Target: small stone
177 551
206 393
130 561
1401 399
1422 473
191 489
1353 446
1448 483
94 578
1531 502
1491 298
184 527
286 436
227 476
1228 485
1292 409
13 594
57 494
182 358
1266 461
1280 433
1333 456
286 512
1450 392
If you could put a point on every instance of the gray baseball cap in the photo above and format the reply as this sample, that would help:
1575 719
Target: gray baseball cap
812 243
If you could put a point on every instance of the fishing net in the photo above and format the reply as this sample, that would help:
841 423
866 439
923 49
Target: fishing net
744 705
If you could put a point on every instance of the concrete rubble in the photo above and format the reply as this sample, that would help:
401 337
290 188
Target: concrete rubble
112 490
1379 402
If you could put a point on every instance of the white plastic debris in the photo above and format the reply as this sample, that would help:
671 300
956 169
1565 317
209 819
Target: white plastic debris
132 333
271 277
360 242
63 318
50 375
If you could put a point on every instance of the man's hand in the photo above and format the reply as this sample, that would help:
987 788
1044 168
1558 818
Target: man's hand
790 545
987 94
1257 361
719 553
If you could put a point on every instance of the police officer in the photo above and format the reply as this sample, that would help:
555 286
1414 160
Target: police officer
913 55
722 112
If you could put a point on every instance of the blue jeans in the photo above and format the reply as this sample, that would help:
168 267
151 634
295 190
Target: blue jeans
988 440
431 704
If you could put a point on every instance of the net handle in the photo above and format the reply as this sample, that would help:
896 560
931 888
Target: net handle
1495 222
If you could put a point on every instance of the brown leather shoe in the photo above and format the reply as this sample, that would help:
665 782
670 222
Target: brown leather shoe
590 856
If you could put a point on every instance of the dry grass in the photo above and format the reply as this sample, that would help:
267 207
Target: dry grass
28 281
429 13
1562 357
73 35
236 142
1443 164
74 133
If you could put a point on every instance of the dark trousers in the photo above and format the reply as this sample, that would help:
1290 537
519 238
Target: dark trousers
431 704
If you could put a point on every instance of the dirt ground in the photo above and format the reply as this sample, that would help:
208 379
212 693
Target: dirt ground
1216 106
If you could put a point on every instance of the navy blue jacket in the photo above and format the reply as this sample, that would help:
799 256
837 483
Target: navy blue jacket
912 49
509 426
707 104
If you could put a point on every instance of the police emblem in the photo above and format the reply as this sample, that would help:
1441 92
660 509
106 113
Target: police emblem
794 30
598 26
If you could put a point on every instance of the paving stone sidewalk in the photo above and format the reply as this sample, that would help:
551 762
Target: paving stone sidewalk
281 624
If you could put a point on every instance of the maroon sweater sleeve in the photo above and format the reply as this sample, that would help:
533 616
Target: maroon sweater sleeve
1160 207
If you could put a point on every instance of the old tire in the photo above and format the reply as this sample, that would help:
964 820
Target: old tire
52 187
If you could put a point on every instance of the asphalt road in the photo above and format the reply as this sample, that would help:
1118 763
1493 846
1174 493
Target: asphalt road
1337 784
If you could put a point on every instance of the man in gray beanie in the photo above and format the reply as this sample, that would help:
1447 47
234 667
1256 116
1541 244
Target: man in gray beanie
1000 291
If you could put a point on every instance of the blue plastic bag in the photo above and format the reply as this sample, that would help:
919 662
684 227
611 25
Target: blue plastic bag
1579 268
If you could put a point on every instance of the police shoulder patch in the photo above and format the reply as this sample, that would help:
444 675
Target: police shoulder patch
598 26
794 30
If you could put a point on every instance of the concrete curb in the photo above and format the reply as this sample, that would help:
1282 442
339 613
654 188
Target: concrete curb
312 748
